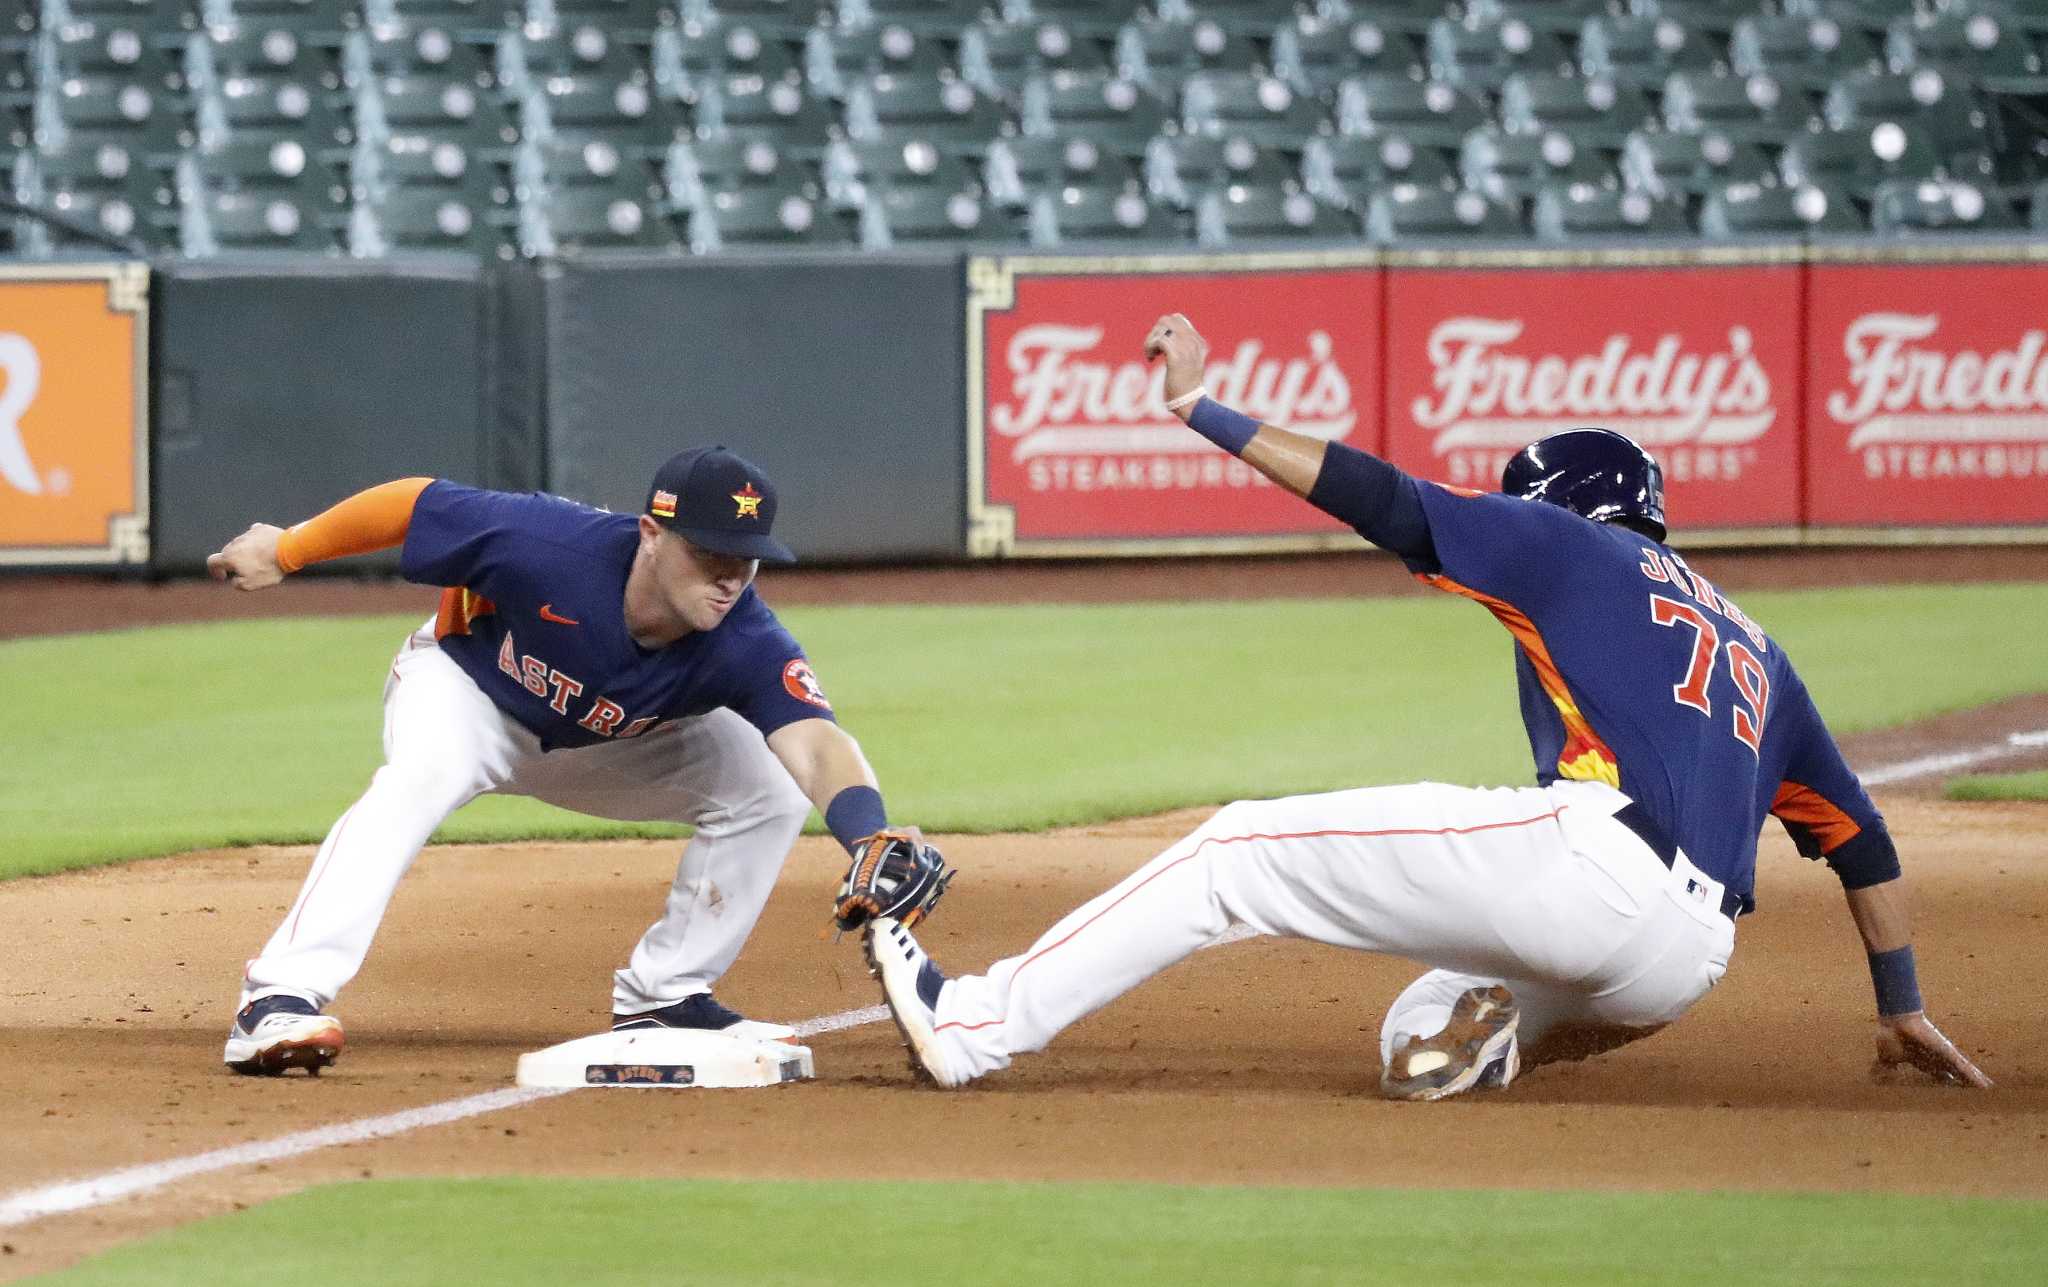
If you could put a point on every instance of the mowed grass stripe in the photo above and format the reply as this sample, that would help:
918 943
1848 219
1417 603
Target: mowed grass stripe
142 742
514 1232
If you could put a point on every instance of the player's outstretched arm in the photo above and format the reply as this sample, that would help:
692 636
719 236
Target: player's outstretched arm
1290 459
370 520
1906 1037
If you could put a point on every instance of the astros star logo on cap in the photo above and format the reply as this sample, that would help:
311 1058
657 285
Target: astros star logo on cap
749 502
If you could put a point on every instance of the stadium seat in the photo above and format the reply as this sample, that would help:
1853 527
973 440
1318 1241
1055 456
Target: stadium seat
105 186
1103 107
278 163
1484 54
1982 39
1083 214
779 113
1690 164
1582 212
1159 54
568 219
1509 167
694 54
1591 111
430 104
320 22
856 168
1241 213
1182 169
766 215
1858 159
1096 18
1866 15
112 213
1747 109
949 112
1315 55
1347 169
1753 210
778 17
925 17
586 51
218 53
900 216
1643 51
413 49
626 112
997 58
1936 101
1811 53
1018 168
79 109
1907 207
630 20
1563 17
573 161
160 17
1710 18
424 219
837 58
469 19
1424 112
214 222
117 49
698 166
1405 213
450 165
1264 109
1256 17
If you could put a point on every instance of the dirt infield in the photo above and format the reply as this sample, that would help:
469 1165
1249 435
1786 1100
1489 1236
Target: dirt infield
1251 1063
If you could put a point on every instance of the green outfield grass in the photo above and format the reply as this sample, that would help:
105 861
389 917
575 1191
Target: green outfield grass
2001 786
510 1233
142 742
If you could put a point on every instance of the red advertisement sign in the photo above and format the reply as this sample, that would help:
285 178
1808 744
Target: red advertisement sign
1927 395
1700 365
1077 448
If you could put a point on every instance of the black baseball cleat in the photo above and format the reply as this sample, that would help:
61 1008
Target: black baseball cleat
702 1012
274 1034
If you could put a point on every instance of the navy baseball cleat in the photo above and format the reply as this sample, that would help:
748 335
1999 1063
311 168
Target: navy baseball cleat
910 984
703 1012
274 1034
1477 1050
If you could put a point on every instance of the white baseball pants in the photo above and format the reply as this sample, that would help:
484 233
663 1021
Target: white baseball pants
445 743
1537 887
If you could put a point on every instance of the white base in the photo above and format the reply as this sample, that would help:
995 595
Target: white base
667 1059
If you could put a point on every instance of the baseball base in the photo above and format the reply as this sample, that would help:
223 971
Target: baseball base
665 1058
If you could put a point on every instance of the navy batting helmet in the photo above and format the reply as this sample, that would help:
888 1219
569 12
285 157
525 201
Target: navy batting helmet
1596 473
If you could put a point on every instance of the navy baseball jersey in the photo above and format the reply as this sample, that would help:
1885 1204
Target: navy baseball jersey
534 613
1635 671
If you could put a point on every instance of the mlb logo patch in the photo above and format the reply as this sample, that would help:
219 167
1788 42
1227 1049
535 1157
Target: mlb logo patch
663 505
1697 890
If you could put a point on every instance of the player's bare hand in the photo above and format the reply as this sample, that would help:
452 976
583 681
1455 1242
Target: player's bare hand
1912 1041
249 562
1175 338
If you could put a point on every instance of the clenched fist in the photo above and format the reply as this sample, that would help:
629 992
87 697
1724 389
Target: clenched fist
1175 338
249 562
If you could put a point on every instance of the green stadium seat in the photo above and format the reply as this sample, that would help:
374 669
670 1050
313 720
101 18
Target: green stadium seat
766 215
1244 214
1664 164
707 165
1424 112
80 109
1406 213
1484 54
93 167
277 163
114 49
855 169
1643 51
1811 53
1865 15
320 22
1264 109
1509 167
586 52
425 219
1084 214
630 20
1100 18
837 58
627 112
1584 212
697 53
1245 17
778 111
469 19
159 17
1857 160
1159 55
430 104
1910 207
926 17
1315 54
790 18
130 215
1753 210
216 222
1591 111
1182 169
1747 109
1984 40
1018 168
1938 102
1347 169
1708 18
217 53
930 215
583 161
571 219
414 49
948 112
19 19
997 58
17 67
450 165
1103 107
1560 17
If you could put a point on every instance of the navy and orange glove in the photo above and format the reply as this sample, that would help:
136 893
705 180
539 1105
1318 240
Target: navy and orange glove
893 874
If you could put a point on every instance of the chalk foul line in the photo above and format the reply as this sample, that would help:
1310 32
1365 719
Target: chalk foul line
1950 761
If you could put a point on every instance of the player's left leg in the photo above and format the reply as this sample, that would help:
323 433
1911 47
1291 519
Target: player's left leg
716 773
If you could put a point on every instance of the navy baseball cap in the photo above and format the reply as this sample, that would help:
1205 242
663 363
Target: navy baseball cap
715 500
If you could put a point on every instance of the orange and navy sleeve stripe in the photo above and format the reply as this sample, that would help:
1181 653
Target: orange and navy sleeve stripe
371 520
1804 809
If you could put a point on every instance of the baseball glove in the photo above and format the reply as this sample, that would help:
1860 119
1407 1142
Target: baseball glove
893 874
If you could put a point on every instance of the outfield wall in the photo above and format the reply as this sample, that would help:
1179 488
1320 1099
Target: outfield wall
935 406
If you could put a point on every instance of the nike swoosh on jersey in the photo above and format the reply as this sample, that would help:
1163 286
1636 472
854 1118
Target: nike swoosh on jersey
547 613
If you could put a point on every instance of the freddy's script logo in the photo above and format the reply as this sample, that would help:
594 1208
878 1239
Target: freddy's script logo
1919 409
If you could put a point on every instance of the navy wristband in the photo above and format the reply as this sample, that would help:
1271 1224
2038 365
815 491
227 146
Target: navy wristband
855 814
1897 984
1228 429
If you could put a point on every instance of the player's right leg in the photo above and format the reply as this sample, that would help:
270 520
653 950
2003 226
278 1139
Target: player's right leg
445 742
